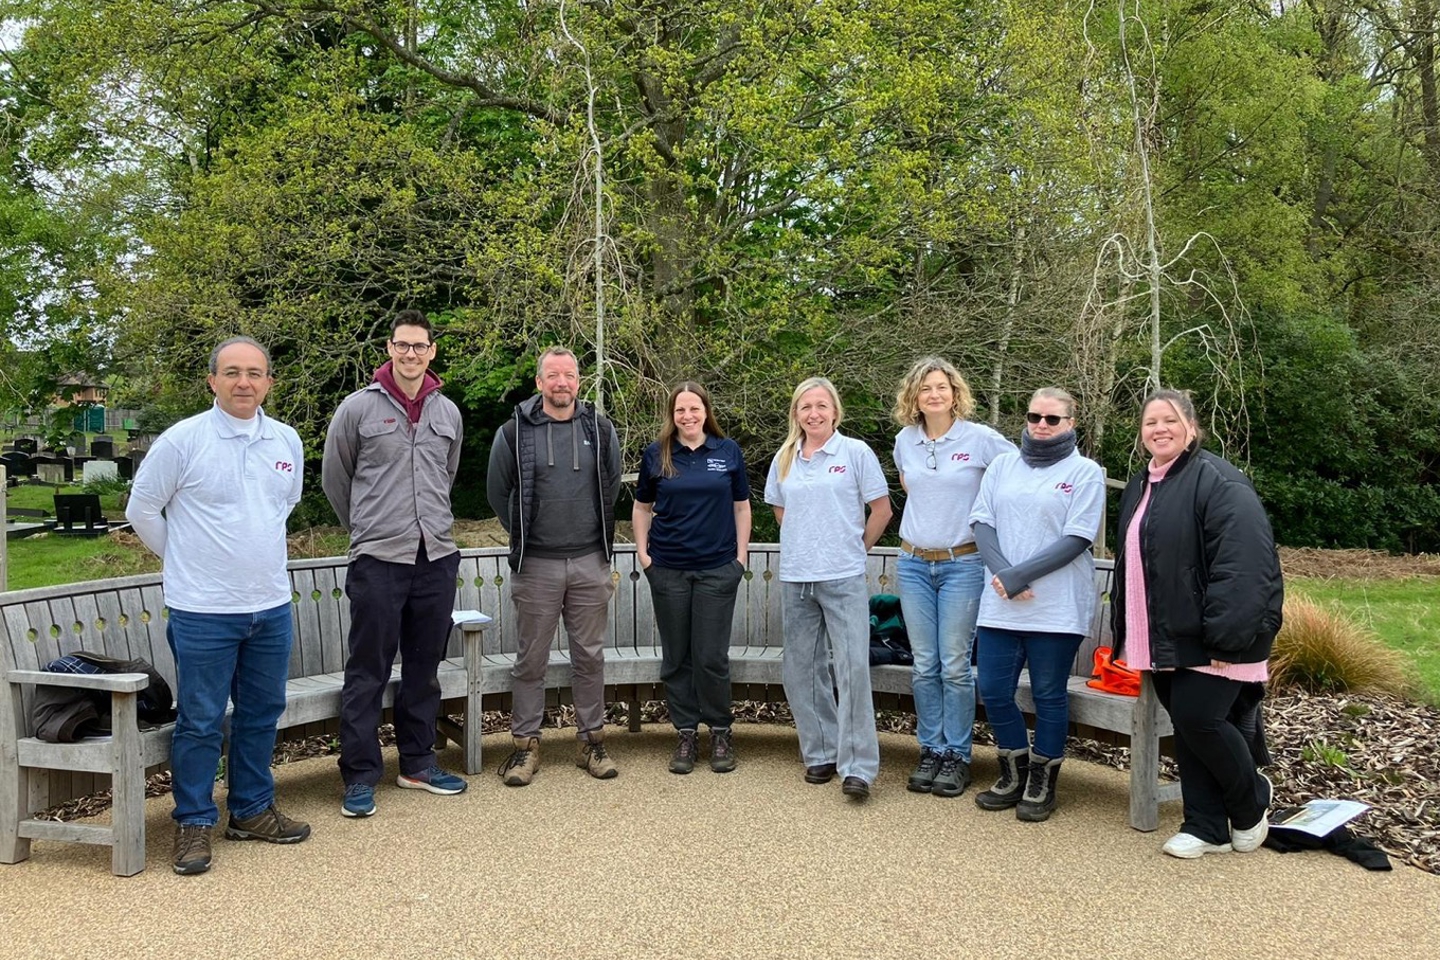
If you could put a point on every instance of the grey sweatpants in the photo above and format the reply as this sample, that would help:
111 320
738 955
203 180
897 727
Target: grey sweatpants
827 630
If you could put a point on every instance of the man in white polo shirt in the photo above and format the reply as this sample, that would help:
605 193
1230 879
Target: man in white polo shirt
226 480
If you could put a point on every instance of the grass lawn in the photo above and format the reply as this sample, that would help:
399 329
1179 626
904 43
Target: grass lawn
43 561
1404 613
39 496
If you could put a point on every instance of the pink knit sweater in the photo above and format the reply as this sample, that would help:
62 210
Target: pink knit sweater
1137 617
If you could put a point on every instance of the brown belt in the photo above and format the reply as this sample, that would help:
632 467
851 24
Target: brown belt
936 556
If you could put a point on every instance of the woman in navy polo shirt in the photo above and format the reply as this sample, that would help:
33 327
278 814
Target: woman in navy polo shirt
941 457
692 536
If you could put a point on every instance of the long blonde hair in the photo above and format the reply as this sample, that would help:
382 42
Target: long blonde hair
785 459
907 398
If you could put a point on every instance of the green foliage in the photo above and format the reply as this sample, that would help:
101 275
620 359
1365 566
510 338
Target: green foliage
1322 649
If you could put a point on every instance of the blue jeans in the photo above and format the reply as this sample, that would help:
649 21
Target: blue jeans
1002 655
940 601
244 658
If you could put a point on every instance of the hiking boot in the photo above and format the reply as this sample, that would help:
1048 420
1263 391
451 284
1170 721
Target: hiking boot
192 848
269 825
359 800
1038 801
686 749
522 764
952 778
593 759
722 750
924 776
434 779
1014 773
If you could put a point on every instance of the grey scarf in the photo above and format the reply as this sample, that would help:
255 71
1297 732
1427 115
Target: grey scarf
1042 453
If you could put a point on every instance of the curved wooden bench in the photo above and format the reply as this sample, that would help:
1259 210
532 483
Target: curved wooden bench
126 618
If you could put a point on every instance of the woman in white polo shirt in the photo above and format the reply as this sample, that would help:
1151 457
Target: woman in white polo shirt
820 484
941 457
1037 514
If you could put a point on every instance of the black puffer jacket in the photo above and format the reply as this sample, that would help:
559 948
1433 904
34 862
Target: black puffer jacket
1212 577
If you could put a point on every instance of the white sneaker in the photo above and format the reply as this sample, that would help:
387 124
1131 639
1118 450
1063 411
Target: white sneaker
1248 841
1187 846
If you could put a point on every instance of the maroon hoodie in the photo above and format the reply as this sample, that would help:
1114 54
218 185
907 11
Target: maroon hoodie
385 376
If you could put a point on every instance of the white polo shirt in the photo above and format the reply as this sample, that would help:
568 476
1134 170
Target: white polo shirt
1030 509
226 487
938 497
823 534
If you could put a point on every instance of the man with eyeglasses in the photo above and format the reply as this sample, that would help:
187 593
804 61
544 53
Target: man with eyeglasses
211 500
390 460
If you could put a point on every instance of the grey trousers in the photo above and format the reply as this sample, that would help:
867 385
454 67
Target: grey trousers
546 590
827 631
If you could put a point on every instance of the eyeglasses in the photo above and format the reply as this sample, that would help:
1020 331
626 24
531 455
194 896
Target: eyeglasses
419 349
1052 419
930 455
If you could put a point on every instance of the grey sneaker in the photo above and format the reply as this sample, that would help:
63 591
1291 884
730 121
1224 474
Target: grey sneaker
952 778
722 750
192 849
269 825
686 749
923 778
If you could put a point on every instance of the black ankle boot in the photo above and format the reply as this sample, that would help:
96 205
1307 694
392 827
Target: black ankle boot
1014 765
1039 799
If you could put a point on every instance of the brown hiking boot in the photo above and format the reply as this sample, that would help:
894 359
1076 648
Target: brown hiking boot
192 849
522 764
269 825
593 759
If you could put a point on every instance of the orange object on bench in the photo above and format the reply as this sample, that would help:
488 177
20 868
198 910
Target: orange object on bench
1114 676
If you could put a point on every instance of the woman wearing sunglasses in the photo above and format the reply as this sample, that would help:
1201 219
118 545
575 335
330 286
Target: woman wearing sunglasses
941 457
1198 598
1036 515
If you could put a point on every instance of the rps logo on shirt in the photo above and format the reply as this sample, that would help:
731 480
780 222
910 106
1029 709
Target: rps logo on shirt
962 457
838 468
284 467
1065 488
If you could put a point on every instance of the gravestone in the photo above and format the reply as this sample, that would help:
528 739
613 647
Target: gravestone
78 445
126 465
18 464
103 447
27 445
95 470
50 472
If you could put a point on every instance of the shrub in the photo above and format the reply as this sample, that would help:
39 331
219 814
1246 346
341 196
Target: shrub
1321 649
107 486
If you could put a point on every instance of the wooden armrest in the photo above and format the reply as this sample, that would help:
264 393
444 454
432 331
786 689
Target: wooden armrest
113 682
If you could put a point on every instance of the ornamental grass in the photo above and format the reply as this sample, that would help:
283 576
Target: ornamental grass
1323 650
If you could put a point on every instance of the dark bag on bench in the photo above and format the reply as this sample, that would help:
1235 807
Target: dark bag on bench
66 715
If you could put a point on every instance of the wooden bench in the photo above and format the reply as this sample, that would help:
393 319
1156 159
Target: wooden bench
125 618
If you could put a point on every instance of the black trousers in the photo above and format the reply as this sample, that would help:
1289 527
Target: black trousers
394 608
1219 783
693 612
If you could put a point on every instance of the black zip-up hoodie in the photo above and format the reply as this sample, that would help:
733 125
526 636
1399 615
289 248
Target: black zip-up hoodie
1213 588
583 519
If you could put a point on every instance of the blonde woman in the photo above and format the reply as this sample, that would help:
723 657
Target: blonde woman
821 485
941 457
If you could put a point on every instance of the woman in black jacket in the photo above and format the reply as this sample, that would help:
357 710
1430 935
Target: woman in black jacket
1197 601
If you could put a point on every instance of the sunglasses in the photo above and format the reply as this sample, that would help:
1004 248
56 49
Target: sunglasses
1052 419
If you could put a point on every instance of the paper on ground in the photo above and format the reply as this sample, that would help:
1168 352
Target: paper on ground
1319 817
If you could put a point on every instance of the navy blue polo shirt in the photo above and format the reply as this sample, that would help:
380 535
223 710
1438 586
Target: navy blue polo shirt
694 511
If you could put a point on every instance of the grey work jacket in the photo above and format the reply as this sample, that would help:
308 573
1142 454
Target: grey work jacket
388 480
